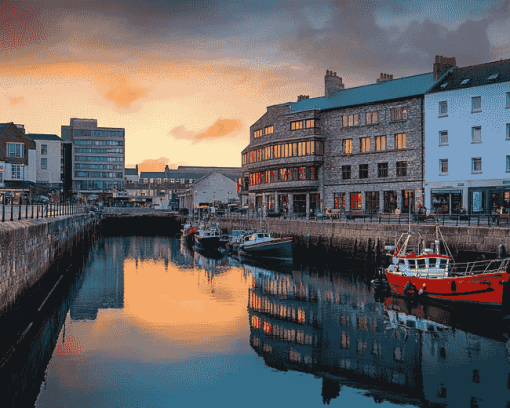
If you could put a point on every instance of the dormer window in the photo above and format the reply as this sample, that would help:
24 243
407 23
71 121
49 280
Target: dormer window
465 81
493 76
444 85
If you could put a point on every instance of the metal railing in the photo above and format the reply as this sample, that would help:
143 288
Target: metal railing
18 212
382 218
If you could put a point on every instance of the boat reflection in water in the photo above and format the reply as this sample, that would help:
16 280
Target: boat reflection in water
334 329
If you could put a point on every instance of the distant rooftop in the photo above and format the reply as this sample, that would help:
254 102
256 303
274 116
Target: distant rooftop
44 136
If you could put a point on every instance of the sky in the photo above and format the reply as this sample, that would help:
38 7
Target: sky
186 79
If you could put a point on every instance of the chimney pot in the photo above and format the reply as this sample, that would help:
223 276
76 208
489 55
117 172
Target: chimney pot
437 59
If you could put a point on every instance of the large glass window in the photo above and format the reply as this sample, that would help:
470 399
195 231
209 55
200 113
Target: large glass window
380 143
372 201
15 150
390 201
355 201
347 146
365 144
302 173
400 141
339 200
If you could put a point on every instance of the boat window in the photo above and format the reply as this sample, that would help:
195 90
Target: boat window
402 262
432 262
421 263
442 264
412 264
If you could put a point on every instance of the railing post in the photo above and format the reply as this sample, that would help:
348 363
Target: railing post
32 205
26 210
19 209
37 211
3 210
12 211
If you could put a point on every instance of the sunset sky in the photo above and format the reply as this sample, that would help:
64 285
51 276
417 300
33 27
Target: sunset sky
186 79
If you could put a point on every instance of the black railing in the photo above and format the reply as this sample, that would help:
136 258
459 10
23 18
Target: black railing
18 212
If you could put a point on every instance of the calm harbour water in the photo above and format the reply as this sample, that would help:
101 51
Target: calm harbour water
151 323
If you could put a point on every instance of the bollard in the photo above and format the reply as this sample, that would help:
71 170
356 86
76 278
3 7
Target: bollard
501 251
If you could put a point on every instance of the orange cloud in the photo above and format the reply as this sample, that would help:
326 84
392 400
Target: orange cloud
153 164
120 90
222 127
16 100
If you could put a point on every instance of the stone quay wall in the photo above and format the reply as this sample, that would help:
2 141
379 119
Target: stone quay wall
28 249
371 237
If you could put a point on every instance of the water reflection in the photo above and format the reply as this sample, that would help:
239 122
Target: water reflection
335 330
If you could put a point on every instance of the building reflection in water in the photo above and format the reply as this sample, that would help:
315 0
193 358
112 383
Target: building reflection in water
335 330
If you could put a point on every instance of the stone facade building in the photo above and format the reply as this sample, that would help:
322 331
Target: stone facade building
355 148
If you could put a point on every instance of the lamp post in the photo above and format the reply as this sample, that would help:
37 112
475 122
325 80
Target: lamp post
23 180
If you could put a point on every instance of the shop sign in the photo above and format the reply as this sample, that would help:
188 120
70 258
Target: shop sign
477 201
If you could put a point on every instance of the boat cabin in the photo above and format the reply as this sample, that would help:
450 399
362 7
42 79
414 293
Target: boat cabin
258 237
426 265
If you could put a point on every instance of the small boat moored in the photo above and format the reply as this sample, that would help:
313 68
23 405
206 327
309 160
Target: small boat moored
263 244
208 237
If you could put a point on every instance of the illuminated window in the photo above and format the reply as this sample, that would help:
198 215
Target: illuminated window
255 322
345 341
267 327
257 133
302 173
296 125
400 141
380 143
339 200
372 118
351 120
311 123
301 316
355 201
365 144
398 113
268 130
347 146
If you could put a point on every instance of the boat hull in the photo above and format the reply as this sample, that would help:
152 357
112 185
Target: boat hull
207 242
486 289
275 249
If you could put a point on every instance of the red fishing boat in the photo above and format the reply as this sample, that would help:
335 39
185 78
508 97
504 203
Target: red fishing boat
416 270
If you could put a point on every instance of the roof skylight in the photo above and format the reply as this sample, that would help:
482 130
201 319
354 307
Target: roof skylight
444 85
465 81
493 76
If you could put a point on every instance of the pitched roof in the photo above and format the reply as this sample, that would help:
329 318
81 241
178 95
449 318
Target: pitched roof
362 95
131 172
171 174
43 136
477 75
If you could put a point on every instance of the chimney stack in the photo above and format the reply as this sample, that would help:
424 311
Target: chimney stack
332 83
441 65
136 169
302 97
384 77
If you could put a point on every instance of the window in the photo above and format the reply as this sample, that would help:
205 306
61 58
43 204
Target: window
365 144
311 123
302 173
476 135
443 166
507 164
398 113
363 171
494 76
339 200
257 133
355 201
380 143
44 149
400 141
44 163
476 104
296 125
401 169
382 169
465 81
15 149
443 138
347 146
476 165
372 118
508 131
16 172
346 172
351 120
268 130
508 99
443 108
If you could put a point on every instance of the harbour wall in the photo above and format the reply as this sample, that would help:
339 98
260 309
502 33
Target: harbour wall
31 249
358 239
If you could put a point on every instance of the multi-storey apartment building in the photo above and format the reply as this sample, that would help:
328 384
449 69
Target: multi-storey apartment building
17 159
48 160
357 148
467 144
98 156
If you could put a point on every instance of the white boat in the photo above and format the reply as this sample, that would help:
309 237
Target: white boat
235 238
265 245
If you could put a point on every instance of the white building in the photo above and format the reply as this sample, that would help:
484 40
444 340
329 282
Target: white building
467 139
48 160
213 187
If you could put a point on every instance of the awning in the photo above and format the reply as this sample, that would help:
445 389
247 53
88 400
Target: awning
445 191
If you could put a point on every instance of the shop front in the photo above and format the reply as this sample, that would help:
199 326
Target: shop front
489 200
446 201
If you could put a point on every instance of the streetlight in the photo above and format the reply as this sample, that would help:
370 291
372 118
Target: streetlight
23 182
